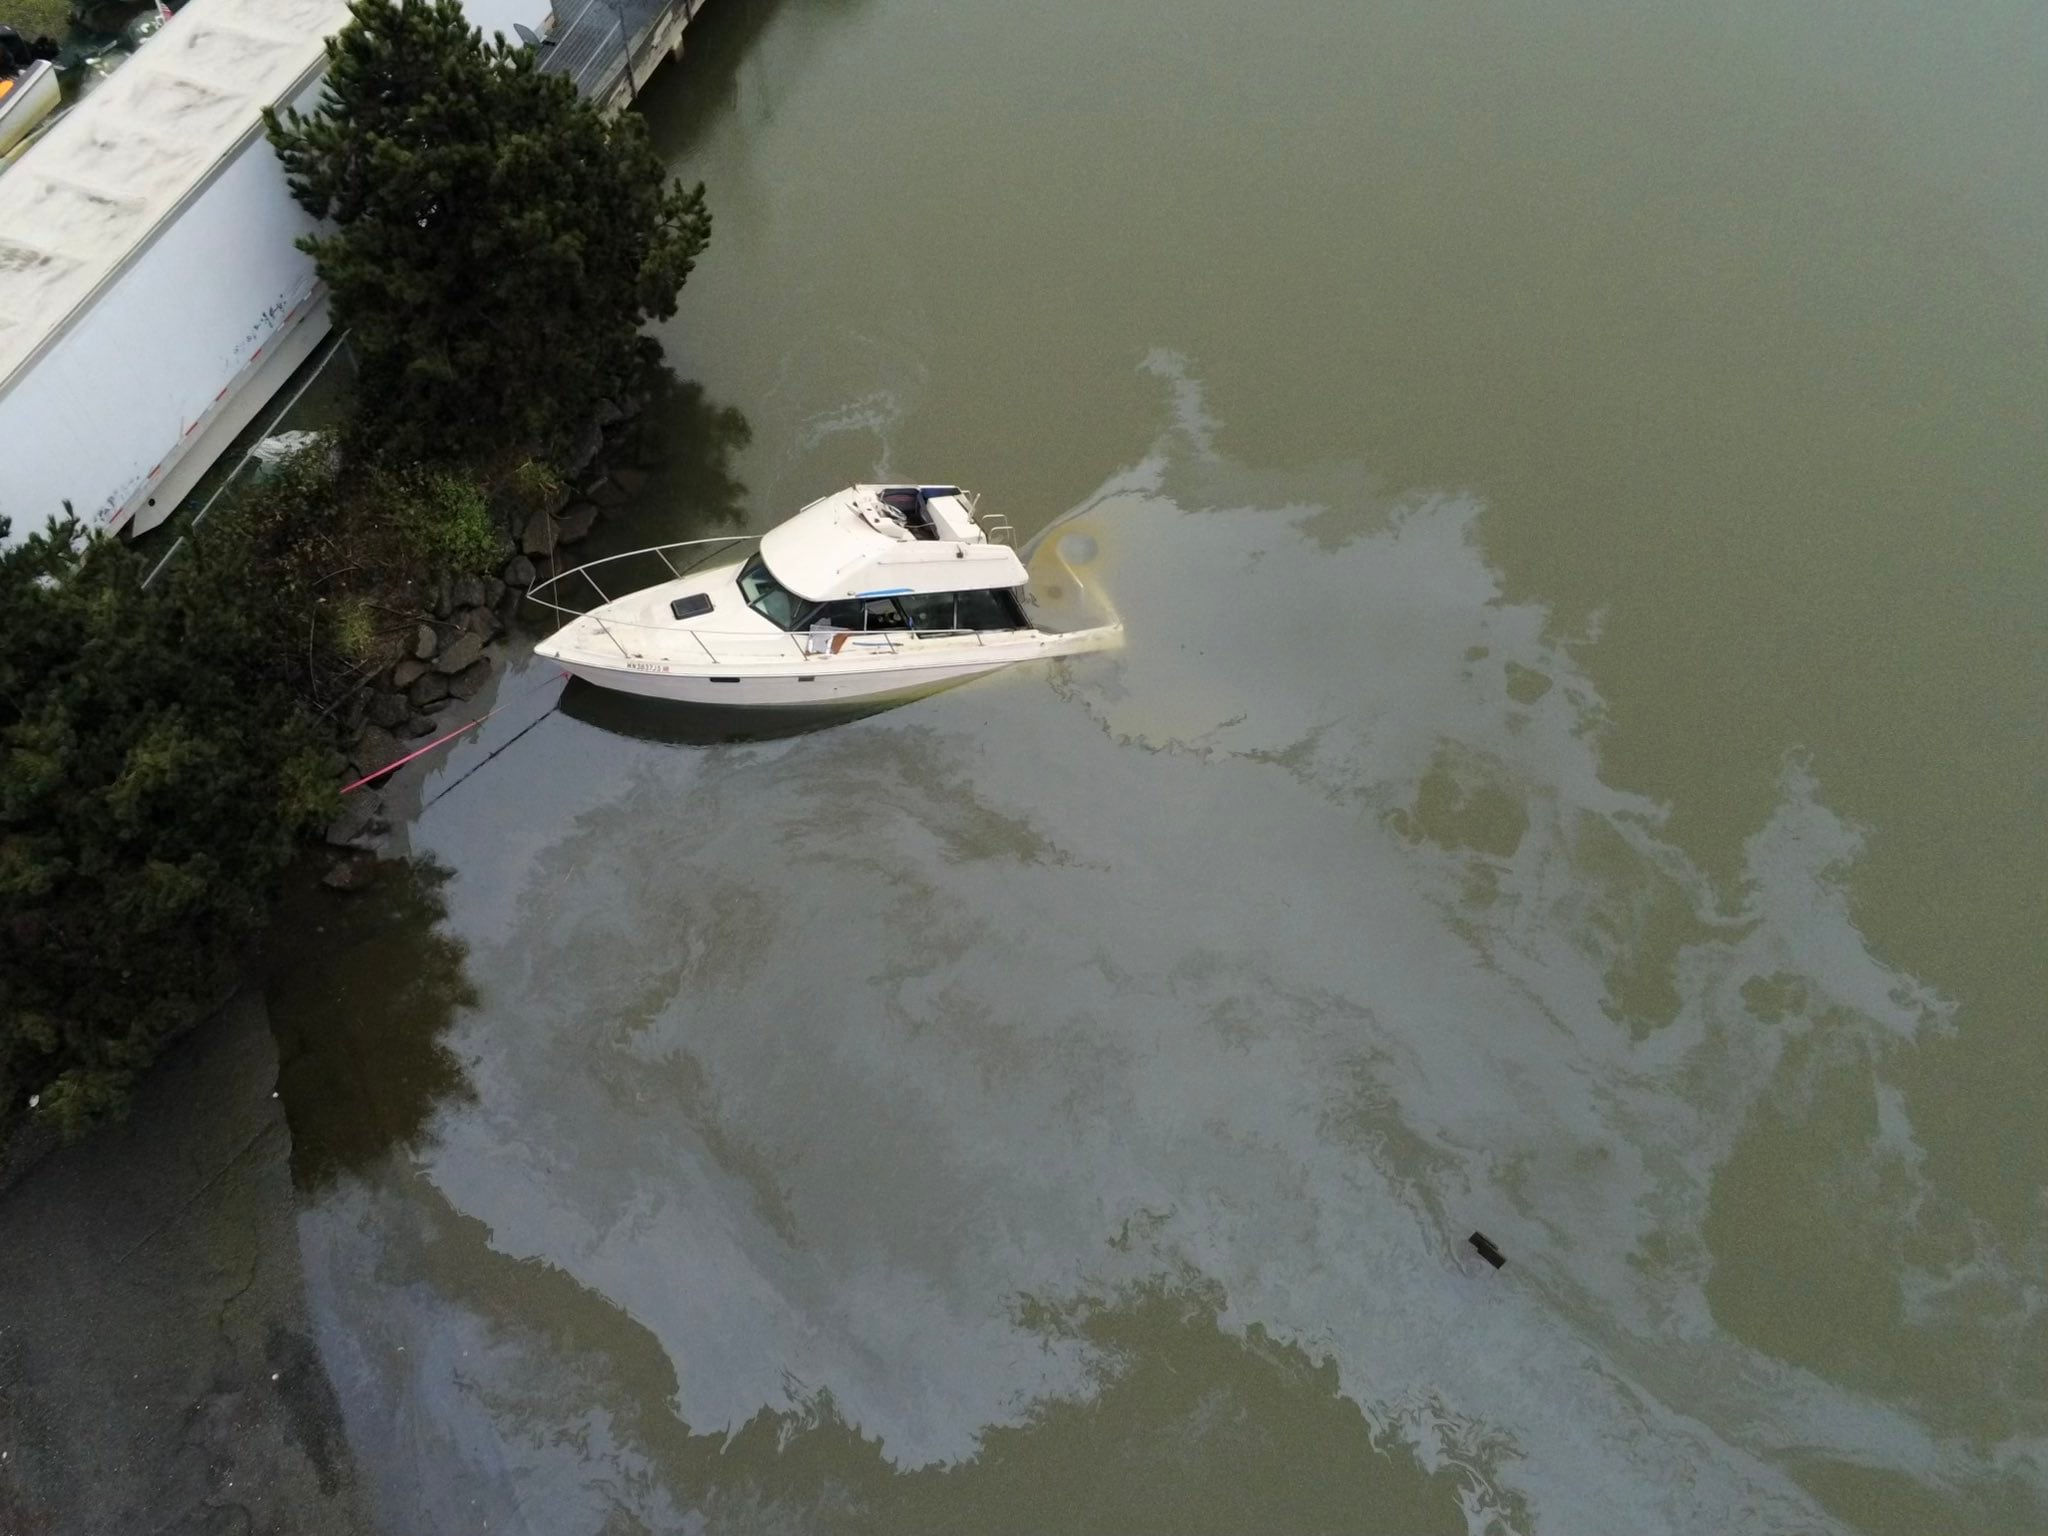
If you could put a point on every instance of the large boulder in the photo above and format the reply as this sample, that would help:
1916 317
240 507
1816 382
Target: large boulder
458 653
539 537
467 683
510 505
407 672
360 825
519 572
420 725
589 443
388 709
468 592
577 522
428 691
425 642
375 748
480 622
606 492
350 872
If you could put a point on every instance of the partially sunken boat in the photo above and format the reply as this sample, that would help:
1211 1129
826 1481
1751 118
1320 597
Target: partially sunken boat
876 592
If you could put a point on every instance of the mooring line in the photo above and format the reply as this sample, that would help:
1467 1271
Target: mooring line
536 720
441 741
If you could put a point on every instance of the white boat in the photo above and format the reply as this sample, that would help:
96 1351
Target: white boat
25 100
875 592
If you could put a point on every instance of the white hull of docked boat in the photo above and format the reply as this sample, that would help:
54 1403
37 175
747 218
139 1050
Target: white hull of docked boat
874 594
846 683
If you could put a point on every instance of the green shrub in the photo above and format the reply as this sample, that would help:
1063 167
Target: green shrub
352 629
156 771
37 18
442 520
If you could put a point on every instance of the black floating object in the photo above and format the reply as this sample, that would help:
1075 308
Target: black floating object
1487 1251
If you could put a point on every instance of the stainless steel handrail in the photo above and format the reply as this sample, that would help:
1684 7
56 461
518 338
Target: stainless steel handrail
659 550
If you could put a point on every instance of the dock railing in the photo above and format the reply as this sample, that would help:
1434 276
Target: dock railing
608 48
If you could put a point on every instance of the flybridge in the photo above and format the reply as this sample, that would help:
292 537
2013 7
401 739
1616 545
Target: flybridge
890 541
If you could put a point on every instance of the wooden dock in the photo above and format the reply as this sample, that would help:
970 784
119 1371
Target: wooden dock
610 47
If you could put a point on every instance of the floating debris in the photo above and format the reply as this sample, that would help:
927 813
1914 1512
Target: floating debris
1487 1251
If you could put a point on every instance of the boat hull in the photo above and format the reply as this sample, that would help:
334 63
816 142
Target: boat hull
662 680
33 95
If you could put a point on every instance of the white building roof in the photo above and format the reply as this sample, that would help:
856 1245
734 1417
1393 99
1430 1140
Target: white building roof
106 177
846 545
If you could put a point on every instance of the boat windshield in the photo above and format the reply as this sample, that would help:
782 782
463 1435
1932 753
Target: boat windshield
770 598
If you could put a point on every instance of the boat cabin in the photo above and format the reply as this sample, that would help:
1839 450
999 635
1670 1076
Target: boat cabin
879 557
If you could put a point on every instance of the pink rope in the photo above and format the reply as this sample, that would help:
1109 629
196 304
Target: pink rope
440 741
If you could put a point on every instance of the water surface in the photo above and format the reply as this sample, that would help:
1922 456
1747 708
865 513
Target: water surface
1573 484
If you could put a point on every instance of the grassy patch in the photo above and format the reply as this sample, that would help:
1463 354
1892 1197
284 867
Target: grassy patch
37 18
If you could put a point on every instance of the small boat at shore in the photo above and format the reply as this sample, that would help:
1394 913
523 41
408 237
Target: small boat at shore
875 592
27 96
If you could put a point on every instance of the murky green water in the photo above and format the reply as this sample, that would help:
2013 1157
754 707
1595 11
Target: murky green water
1574 479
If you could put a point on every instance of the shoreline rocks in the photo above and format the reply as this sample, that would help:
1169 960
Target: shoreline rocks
576 523
452 652
458 653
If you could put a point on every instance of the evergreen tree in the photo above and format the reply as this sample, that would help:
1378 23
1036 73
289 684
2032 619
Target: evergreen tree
497 242
156 769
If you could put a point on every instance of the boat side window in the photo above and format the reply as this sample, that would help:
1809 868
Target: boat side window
846 615
858 613
929 610
989 608
770 598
